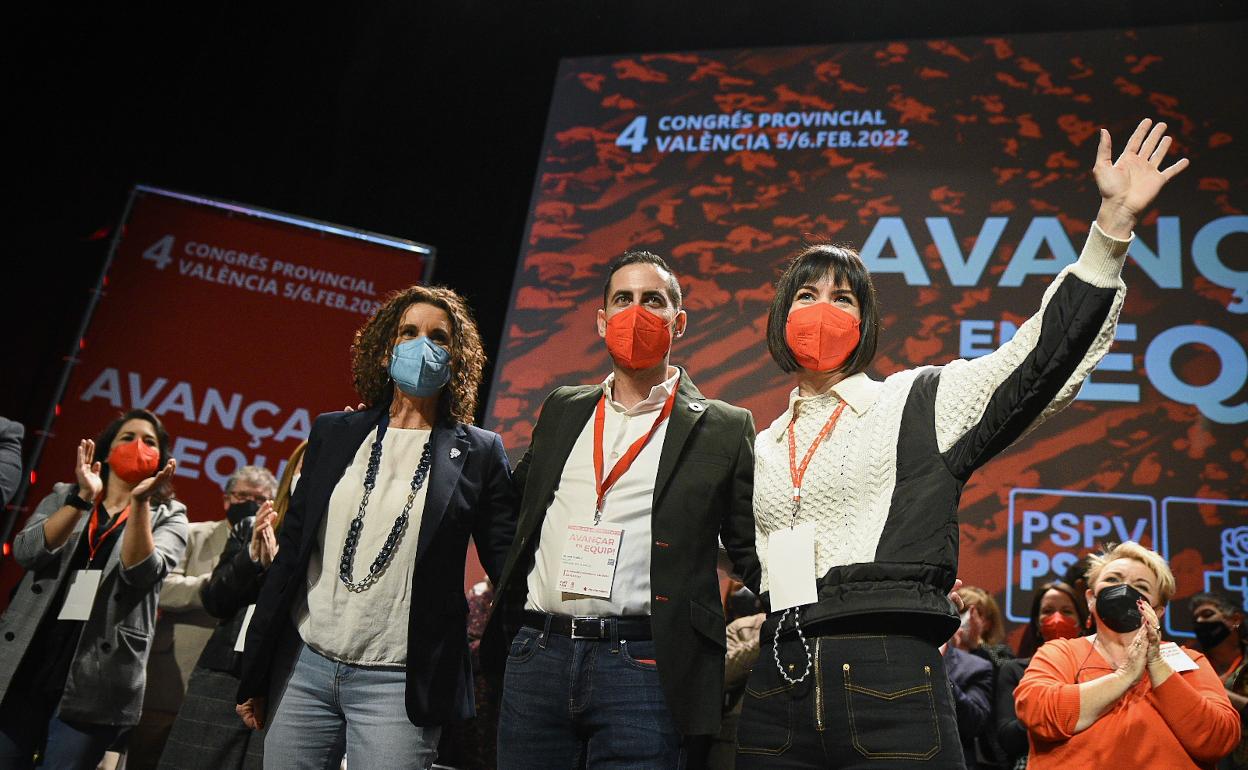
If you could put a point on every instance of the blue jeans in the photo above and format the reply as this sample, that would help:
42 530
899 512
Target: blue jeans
567 702
329 708
70 745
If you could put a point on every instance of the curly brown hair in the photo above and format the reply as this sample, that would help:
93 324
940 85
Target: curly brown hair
375 340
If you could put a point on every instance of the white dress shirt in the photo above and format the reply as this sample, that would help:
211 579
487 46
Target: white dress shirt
627 506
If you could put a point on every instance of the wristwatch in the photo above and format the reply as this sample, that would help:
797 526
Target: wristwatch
74 501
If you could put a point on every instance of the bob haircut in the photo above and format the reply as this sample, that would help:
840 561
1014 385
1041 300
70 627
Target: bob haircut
1032 638
375 340
1132 550
104 443
810 266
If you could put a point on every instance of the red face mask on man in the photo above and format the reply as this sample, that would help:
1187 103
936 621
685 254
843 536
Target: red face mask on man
637 338
133 461
821 336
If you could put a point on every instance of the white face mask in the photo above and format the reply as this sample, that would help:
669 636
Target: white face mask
294 482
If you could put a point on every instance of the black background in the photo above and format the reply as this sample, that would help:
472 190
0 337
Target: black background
421 120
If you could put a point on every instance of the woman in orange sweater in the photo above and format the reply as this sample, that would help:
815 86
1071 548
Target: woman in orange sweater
1121 696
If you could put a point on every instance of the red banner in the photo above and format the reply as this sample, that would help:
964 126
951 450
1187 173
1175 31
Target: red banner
233 325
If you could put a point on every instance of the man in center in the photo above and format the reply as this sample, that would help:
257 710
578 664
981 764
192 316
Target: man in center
610 597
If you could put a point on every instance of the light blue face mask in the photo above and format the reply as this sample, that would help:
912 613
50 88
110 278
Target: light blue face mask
420 367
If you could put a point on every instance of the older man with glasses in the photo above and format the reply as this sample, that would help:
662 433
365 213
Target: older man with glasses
184 627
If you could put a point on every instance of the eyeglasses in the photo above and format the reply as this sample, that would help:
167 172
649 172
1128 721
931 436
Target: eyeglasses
239 497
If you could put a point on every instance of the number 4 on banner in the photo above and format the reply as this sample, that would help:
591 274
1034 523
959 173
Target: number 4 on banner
634 135
158 252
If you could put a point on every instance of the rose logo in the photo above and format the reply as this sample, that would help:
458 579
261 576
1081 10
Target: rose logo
1235 546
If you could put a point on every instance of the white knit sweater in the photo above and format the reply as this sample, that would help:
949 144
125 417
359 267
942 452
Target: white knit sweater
849 485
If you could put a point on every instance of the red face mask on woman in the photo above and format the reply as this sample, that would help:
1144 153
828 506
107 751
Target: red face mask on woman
821 336
637 338
1058 626
133 461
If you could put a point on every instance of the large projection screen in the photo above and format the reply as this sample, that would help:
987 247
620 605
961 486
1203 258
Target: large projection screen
960 168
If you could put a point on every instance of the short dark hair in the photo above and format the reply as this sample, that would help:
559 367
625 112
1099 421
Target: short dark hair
104 442
1222 602
1078 571
638 257
810 265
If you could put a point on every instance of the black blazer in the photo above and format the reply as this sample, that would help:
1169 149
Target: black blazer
702 492
469 492
235 583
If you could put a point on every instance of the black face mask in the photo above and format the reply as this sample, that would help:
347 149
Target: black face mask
1210 633
239 511
1115 605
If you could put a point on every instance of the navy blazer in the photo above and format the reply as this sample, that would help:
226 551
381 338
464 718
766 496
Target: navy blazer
970 681
470 492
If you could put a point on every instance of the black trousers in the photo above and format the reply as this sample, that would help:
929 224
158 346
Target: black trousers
868 701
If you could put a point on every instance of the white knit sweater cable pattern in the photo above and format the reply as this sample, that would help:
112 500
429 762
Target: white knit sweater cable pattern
848 486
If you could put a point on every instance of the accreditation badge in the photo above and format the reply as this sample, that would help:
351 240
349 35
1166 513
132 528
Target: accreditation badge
1178 660
590 556
83 585
791 566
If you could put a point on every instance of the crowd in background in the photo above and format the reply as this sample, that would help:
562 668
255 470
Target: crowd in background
188 717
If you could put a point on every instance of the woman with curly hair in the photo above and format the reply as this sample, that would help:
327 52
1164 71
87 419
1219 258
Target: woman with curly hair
366 588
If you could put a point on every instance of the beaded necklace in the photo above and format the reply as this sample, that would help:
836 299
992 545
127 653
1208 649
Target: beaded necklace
346 567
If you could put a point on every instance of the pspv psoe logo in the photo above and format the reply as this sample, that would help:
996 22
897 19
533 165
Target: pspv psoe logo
1051 529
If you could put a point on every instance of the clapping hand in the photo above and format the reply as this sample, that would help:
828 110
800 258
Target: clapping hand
87 472
147 487
1130 184
1132 666
263 546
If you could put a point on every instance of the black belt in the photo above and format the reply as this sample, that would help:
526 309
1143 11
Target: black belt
634 628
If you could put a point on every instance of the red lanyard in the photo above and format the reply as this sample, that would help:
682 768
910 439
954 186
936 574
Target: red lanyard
93 541
621 467
1232 667
796 472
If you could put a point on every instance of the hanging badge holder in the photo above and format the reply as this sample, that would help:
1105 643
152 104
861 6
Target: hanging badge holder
242 632
791 567
84 583
590 556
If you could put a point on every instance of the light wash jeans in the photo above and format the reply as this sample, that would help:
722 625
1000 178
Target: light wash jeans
330 708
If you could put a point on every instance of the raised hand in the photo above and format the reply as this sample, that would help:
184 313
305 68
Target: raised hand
1152 625
1130 184
1159 669
263 547
1132 666
955 597
147 487
87 472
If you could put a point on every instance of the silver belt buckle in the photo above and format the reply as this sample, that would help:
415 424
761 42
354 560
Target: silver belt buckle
583 622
